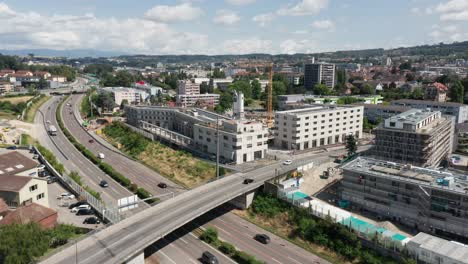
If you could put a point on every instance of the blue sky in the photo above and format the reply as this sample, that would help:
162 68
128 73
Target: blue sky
229 26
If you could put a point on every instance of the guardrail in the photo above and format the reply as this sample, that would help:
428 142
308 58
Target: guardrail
109 213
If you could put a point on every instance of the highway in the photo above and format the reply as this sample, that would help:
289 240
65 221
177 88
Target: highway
129 237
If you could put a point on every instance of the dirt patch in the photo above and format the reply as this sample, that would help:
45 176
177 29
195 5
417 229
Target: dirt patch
16 100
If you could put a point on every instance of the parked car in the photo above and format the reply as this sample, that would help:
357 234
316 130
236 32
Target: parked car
79 207
209 258
12 147
92 220
262 238
162 185
85 212
103 184
51 179
287 162
91 141
67 196
40 166
48 121
73 205
101 155
247 181
35 156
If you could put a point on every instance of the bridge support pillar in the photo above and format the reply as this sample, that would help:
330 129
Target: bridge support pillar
244 201
138 259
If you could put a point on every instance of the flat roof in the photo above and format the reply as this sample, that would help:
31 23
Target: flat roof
14 162
385 107
420 102
412 116
442 247
317 108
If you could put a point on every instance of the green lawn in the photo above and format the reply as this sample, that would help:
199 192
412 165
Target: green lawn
31 112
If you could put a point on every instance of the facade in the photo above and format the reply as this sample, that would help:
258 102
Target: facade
189 100
418 137
434 250
59 79
292 101
436 92
427 200
133 96
5 87
318 73
240 140
317 126
460 141
22 190
32 213
460 111
376 112
188 87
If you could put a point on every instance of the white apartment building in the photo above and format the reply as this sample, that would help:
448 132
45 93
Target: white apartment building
317 126
188 100
188 87
133 96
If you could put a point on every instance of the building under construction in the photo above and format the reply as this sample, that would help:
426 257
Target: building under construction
428 200
418 137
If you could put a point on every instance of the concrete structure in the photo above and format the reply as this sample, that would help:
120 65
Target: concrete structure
133 96
434 250
32 213
152 90
293 101
460 140
318 73
240 140
418 137
21 190
317 126
15 163
376 112
460 111
199 100
188 87
436 92
5 87
238 105
428 200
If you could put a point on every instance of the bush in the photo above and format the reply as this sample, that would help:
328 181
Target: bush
210 235
243 258
227 248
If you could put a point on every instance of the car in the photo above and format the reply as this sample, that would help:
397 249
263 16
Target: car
66 195
48 121
209 258
247 181
162 185
103 184
262 238
73 205
51 179
40 166
79 207
71 112
85 212
12 147
91 141
287 162
35 156
101 155
92 220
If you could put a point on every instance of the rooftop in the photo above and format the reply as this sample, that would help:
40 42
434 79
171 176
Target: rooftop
447 180
31 213
454 250
412 116
429 103
12 163
13 183
317 108
385 107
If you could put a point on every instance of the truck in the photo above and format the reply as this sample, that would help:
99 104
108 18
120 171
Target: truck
52 130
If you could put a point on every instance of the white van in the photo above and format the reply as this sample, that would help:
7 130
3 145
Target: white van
101 155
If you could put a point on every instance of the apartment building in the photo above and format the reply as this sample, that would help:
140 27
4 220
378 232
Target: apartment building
292 101
5 87
418 137
318 73
240 140
132 96
188 87
427 200
460 111
436 92
376 112
199 100
435 250
317 126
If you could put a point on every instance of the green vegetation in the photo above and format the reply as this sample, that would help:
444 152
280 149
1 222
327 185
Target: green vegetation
210 236
321 89
351 145
345 100
11 62
121 78
25 243
178 165
457 92
11 107
35 104
26 140
106 168
99 70
325 238
50 157
85 107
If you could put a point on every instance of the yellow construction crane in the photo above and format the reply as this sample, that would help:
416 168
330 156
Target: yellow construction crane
270 98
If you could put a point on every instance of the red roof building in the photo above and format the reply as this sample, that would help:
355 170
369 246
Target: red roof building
32 213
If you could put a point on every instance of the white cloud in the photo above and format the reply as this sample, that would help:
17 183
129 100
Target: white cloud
240 2
304 8
324 24
165 13
291 46
453 10
300 32
245 46
226 17
263 19
447 33
455 16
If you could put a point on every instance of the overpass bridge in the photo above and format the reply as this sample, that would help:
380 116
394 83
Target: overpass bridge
125 241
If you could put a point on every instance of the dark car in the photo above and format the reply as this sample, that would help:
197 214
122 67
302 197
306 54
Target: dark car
76 204
162 185
103 184
262 238
91 141
209 258
247 181
51 180
12 147
92 220
85 212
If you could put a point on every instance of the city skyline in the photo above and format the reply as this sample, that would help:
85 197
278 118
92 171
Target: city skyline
230 26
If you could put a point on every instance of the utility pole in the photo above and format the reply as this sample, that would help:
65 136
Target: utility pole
217 148
90 105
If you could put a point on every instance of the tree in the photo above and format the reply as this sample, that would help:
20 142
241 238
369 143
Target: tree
218 73
42 84
242 86
351 144
366 89
405 66
256 89
321 89
205 88
105 100
457 92
123 103
410 77
340 77
417 94
210 235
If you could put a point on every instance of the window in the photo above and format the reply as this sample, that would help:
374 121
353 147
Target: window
40 196
307 130
392 124
225 137
307 118
33 188
323 121
249 145
323 115
259 143
306 124
259 136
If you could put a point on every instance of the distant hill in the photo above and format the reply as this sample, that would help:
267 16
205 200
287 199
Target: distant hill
77 53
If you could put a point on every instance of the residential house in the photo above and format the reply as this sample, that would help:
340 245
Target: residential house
32 213
21 190
436 92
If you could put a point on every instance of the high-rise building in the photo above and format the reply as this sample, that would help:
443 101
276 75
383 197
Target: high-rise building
418 137
317 73
187 87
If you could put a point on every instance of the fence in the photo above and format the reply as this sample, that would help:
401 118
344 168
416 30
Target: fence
110 213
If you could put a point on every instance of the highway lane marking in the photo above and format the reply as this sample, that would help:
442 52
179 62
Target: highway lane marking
183 240
223 230
294 260
276 260
167 257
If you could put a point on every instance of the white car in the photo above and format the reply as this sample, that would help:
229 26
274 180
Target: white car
83 206
67 196
48 121
101 155
287 162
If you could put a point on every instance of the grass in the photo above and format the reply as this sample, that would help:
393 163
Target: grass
31 112
8 115
16 100
26 139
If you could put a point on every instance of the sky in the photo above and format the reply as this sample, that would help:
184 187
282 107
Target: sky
156 27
